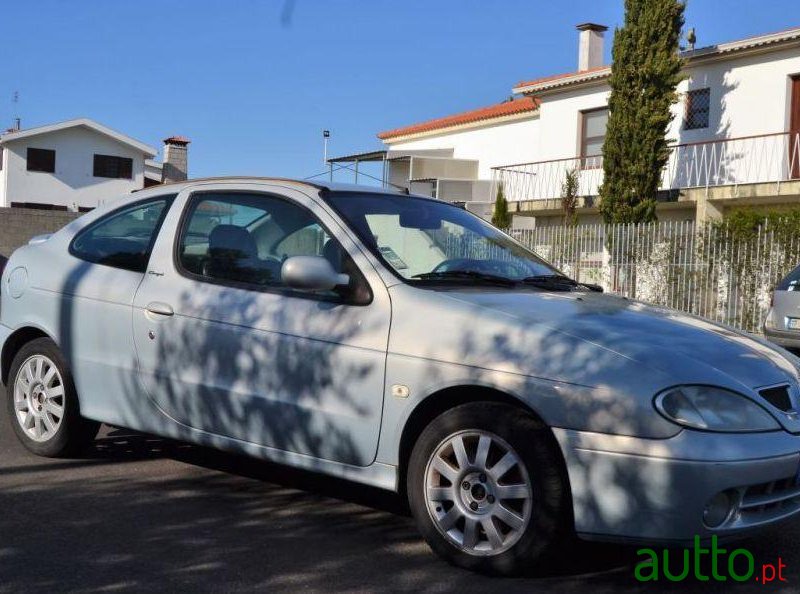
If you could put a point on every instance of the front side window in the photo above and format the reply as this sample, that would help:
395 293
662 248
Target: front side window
43 160
698 103
243 239
123 239
111 166
426 240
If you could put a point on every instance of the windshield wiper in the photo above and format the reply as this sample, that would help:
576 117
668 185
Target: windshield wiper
558 282
466 275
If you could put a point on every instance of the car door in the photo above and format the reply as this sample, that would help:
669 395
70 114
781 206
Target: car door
225 348
96 285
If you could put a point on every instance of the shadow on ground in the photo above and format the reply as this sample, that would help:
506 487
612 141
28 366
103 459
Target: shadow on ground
128 517
140 513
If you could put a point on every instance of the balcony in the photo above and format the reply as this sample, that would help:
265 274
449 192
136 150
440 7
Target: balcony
732 163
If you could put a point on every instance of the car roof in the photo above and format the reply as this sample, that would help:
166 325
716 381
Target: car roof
319 185
177 187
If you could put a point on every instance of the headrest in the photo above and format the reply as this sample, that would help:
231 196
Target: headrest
232 240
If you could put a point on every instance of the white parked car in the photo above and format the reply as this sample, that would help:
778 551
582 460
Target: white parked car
404 343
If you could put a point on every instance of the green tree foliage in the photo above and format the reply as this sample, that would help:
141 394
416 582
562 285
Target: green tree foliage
744 224
569 197
501 217
754 248
645 73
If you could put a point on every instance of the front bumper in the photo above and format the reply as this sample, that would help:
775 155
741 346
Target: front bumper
655 490
789 339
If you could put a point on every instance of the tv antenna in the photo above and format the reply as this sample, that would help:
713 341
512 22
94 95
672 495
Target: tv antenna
15 101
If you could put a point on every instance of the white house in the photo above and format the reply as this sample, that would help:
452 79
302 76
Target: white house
76 165
735 136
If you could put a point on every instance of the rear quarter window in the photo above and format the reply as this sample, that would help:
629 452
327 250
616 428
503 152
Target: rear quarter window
124 238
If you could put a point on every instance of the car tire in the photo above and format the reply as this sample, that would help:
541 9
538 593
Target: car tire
507 461
43 404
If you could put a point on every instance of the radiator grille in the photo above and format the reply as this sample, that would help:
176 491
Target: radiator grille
770 498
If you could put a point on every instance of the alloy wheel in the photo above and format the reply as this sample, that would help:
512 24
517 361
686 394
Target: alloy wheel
478 492
39 398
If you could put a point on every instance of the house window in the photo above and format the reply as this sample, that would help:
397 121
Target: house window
111 166
41 160
593 134
698 102
1 158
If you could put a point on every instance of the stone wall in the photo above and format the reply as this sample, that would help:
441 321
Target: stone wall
18 225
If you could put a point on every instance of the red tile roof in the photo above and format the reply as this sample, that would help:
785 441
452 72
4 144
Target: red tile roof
531 103
554 77
583 75
506 108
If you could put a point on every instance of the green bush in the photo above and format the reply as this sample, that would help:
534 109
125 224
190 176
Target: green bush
501 217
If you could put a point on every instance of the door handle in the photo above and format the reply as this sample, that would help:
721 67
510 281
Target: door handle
159 309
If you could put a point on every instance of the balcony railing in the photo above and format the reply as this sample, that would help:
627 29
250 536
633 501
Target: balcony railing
768 158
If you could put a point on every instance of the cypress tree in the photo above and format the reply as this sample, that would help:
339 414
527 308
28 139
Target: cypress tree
569 197
501 217
645 72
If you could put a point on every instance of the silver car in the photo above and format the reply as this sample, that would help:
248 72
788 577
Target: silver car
399 342
782 325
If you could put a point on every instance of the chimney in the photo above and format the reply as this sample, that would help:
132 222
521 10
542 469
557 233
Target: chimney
590 46
176 159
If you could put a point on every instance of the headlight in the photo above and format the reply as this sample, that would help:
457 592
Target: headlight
713 409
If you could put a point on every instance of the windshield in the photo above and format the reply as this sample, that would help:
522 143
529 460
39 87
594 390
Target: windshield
424 239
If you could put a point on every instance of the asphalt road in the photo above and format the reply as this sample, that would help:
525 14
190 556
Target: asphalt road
142 514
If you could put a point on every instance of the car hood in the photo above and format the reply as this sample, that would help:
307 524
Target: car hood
685 347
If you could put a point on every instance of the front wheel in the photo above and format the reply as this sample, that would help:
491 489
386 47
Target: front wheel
43 404
487 488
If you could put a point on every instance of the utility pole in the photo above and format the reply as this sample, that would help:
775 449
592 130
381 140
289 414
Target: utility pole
326 134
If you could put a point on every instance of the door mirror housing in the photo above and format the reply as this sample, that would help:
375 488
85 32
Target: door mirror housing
311 273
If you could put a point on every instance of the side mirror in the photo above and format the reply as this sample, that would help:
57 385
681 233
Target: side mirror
311 273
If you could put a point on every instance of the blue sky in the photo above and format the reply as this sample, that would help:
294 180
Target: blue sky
253 92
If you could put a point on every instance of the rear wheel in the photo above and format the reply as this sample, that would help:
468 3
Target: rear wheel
43 404
487 489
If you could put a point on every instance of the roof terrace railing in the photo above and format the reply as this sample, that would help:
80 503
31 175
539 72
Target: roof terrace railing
766 158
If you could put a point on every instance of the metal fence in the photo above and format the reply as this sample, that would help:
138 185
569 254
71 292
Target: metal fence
710 271
767 158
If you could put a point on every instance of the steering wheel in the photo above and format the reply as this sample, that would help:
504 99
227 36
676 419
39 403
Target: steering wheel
498 267
457 264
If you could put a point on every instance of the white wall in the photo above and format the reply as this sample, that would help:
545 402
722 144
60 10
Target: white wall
559 117
749 96
498 144
73 180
